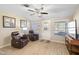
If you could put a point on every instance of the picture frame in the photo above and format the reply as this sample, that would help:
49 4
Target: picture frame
23 23
9 22
45 26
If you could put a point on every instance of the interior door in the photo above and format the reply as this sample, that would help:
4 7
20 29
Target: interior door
46 29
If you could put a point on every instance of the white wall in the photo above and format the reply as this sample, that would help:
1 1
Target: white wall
49 34
76 17
57 38
5 33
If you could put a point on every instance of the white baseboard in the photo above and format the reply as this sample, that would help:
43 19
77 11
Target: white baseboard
63 42
55 41
4 45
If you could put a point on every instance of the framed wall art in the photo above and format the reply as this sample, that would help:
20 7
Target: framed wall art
45 26
9 22
23 23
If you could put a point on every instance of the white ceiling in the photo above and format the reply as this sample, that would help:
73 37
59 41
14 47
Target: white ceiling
54 10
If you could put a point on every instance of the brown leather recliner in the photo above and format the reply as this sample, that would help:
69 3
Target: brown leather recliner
18 41
33 36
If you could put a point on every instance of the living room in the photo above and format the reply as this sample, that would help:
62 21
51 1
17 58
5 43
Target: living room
44 26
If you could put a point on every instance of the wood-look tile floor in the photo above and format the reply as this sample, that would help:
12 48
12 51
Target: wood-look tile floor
37 48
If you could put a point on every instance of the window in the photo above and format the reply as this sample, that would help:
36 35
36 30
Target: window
60 28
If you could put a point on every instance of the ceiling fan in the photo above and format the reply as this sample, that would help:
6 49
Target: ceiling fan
39 11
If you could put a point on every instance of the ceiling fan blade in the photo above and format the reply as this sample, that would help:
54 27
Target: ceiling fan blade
31 10
32 14
26 5
44 13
